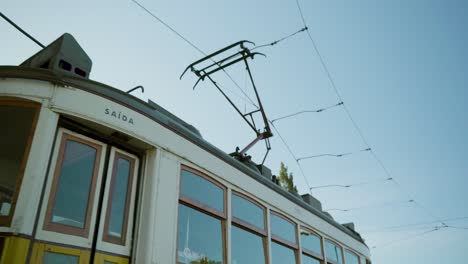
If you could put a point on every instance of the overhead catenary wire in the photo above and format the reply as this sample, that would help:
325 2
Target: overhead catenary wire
307 111
21 30
281 39
369 206
193 46
446 220
292 154
410 237
348 185
333 155
348 113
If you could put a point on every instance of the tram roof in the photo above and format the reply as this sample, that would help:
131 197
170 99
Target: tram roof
166 119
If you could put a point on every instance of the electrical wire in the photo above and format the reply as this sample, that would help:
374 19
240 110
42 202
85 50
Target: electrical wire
307 111
356 126
369 206
334 155
435 229
292 155
447 220
21 30
348 185
281 39
193 46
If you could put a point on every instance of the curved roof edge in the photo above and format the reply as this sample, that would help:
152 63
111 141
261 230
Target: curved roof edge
144 108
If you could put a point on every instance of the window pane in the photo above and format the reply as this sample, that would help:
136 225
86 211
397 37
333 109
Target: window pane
281 254
55 258
246 247
283 228
311 242
71 198
200 237
248 211
119 197
14 134
202 190
333 252
351 258
309 260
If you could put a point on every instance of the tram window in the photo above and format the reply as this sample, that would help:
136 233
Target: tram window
201 223
311 247
282 228
57 258
72 192
351 258
333 252
115 227
248 233
202 190
309 260
248 212
311 243
281 254
18 124
247 247
200 237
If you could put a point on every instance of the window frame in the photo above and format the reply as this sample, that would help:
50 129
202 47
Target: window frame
341 250
204 208
5 220
196 204
283 242
239 223
310 253
64 229
105 236
353 253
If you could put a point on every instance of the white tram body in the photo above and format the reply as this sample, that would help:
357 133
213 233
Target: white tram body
73 119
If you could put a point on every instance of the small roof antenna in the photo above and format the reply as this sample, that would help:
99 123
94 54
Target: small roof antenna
205 67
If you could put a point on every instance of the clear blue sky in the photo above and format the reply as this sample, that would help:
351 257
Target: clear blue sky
400 67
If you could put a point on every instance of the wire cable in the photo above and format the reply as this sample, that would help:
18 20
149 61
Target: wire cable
348 185
193 46
292 155
308 111
334 155
447 220
21 30
369 206
281 39
437 228
356 126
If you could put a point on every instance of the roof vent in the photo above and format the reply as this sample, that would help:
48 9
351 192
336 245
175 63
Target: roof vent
265 171
349 226
64 55
312 201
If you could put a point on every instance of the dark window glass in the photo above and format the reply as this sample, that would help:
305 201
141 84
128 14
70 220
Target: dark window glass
16 126
202 190
311 242
119 197
76 174
283 228
308 260
248 211
55 258
246 247
281 254
2 244
333 252
200 237
351 258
